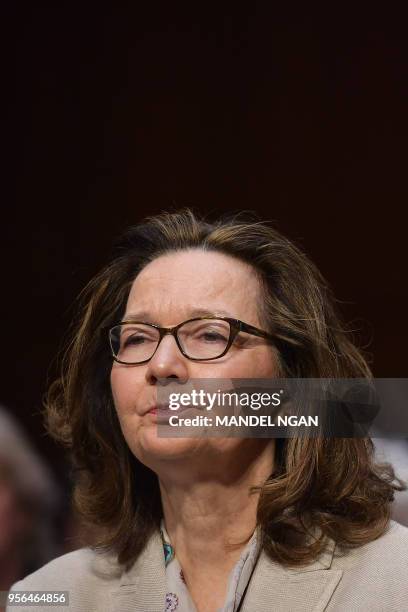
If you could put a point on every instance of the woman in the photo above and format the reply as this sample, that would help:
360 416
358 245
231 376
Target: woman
216 523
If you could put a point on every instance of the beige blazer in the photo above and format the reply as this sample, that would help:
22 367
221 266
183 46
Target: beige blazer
372 578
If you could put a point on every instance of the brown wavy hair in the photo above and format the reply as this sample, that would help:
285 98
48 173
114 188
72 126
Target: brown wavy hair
333 484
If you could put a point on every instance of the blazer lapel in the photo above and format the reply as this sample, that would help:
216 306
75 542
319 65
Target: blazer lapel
143 588
308 589
271 587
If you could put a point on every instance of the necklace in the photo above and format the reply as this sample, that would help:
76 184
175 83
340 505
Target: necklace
168 550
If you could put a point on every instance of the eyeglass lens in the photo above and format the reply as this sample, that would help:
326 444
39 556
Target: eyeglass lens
200 339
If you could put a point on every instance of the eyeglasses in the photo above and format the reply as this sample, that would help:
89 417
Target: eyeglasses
199 339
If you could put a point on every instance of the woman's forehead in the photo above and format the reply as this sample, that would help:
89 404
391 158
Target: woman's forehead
196 266
195 280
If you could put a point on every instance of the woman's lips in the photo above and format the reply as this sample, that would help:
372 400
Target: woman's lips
160 414
159 409
165 412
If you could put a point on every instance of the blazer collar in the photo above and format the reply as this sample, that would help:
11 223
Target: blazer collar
272 586
143 587
303 589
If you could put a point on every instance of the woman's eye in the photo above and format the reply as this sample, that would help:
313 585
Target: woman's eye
134 340
212 337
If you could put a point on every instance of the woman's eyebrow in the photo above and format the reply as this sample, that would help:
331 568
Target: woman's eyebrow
206 312
143 315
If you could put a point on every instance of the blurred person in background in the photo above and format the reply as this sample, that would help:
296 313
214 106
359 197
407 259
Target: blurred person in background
396 452
29 499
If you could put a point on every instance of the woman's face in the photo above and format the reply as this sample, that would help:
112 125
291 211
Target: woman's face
168 291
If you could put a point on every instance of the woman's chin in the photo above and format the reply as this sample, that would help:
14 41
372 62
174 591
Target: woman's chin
152 445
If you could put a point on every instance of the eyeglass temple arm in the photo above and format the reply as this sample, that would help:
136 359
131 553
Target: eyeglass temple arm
245 327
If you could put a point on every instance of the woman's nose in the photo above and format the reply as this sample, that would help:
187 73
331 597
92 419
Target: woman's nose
167 361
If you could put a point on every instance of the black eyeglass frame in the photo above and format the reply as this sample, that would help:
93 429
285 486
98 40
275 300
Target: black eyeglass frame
236 326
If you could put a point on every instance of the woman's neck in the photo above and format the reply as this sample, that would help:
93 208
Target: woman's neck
207 511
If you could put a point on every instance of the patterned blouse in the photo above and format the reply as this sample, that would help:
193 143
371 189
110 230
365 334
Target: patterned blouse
178 598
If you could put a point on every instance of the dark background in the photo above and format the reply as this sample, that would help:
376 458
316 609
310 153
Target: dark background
116 113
